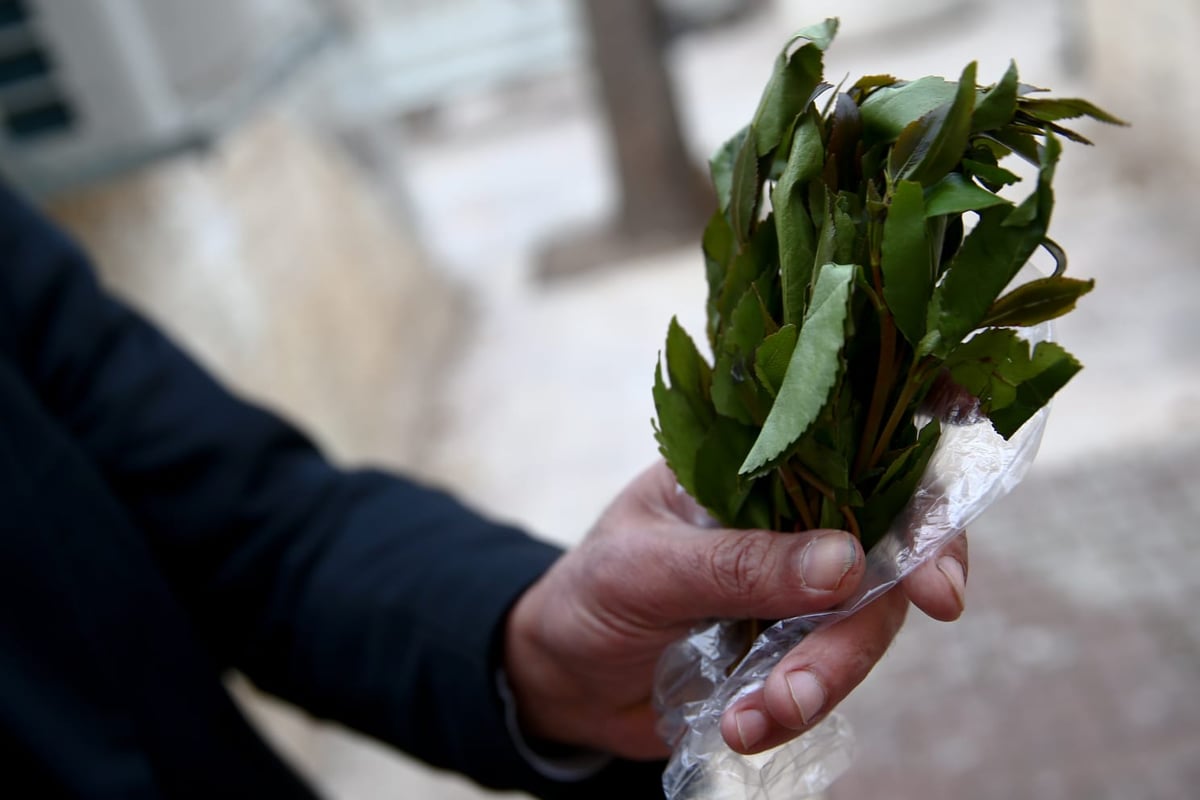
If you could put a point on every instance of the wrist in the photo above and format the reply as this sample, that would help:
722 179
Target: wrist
581 676
553 760
529 668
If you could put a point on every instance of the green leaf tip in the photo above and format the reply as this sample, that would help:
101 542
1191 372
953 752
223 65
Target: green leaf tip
793 81
932 145
1036 302
820 34
998 104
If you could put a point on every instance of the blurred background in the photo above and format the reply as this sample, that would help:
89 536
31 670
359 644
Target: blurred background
447 237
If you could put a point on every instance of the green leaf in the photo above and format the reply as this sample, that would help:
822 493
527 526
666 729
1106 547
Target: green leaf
689 372
820 34
679 432
842 149
814 368
847 211
838 238
1012 385
791 85
719 488
773 356
821 455
757 511
998 105
989 258
1024 145
933 145
747 327
779 157
1036 208
797 237
890 110
907 270
746 190
720 249
734 393
987 261
989 366
955 194
1036 302
827 235
1051 367
1066 133
758 258
990 173
830 516
1053 110
868 84
896 487
720 166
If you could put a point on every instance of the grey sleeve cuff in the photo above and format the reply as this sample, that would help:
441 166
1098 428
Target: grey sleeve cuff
565 764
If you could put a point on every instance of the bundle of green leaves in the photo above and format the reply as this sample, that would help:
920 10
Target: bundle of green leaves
845 291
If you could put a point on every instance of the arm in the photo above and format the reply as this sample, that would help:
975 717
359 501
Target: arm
361 597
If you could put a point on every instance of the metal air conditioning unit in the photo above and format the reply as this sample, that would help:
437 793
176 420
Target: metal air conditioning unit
91 87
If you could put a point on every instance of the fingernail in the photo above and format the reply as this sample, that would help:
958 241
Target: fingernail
751 727
952 568
807 693
825 561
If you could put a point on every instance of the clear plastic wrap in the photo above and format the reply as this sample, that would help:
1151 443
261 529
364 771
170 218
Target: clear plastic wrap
971 468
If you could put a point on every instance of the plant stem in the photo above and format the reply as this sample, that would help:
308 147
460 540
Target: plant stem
851 521
813 481
883 386
796 492
911 385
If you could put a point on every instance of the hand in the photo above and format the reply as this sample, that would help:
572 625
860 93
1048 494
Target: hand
582 643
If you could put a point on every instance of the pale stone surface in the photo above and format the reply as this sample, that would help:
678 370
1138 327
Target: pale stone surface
274 261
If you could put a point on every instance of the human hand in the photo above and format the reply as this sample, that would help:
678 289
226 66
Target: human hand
582 643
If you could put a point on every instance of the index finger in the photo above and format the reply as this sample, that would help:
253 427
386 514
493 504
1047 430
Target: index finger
938 587
814 677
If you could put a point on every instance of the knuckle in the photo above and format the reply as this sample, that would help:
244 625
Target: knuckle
740 564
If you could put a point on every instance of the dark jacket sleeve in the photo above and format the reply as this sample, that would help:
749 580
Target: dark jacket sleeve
362 597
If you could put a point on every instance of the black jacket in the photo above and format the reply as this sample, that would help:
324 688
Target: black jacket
155 532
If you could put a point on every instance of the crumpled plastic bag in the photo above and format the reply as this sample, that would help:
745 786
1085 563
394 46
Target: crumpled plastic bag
972 467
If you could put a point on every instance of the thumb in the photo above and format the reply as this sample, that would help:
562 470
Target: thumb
755 574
